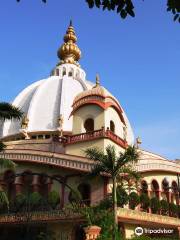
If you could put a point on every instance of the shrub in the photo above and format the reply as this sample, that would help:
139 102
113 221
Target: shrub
35 199
53 199
145 201
122 197
155 204
134 200
164 207
106 203
20 199
173 208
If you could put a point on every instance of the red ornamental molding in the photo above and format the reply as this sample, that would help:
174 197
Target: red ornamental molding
99 101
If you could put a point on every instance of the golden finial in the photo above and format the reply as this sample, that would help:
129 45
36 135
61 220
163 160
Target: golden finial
60 121
97 81
69 51
24 123
138 142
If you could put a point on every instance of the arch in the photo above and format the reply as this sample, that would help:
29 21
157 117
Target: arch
85 191
144 187
64 71
57 72
77 73
71 72
89 125
165 185
165 188
155 188
175 193
112 126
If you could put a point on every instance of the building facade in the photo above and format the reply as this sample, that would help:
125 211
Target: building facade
65 114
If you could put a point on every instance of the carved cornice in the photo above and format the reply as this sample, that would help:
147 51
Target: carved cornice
82 163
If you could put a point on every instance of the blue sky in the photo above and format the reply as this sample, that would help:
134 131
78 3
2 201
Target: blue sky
138 59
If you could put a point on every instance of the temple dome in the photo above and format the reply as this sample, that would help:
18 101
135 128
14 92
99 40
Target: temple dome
45 100
100 96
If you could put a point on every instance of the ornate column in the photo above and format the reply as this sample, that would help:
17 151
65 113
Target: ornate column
18 184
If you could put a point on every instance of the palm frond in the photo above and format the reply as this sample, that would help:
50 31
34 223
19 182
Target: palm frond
6 164
4 199
94 154
8 112
130 156
2 146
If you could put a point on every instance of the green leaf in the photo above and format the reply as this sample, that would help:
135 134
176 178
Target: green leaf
98 3
123 14
176 17
90 3
130 12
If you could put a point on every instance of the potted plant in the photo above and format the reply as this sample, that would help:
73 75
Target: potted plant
92 231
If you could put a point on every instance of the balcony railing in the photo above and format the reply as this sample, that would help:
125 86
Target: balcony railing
97 134
39 216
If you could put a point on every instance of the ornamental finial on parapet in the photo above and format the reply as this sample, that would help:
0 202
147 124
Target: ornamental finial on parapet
97 81
69 52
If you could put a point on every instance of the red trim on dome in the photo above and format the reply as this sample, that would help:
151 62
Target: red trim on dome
103 105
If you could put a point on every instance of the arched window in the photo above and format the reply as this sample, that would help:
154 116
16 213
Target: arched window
165 185
112 126
155 188
57 72
175 194
89 125
165 188
85 191
70 74
64 72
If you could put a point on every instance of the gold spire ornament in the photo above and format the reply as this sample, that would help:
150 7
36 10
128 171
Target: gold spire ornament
138 142
24 123
69 52
97 81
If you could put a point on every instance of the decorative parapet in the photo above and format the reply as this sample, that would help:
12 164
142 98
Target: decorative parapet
143 218
56 215
97 134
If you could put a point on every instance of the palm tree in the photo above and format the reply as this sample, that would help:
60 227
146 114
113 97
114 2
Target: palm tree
113 165
7 112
